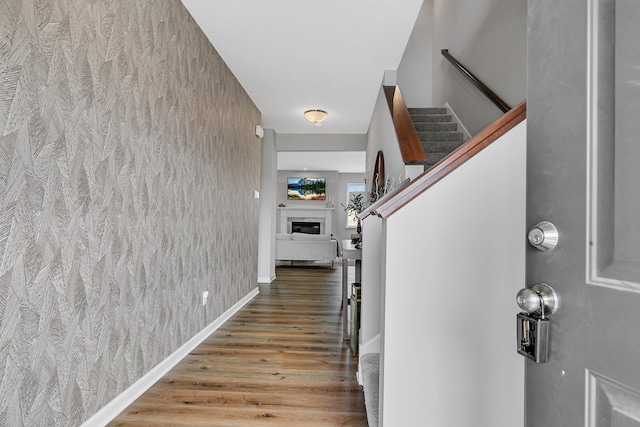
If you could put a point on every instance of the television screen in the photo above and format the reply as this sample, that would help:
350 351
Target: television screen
305 188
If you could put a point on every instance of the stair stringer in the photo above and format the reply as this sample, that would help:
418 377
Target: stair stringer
455 119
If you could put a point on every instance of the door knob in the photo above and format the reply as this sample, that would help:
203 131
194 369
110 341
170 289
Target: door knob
543 236
532 325
539 298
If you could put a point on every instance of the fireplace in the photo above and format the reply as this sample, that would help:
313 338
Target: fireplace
305 227
289 215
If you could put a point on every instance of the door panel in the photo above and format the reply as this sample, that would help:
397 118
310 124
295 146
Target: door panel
611 404
614 129
583 175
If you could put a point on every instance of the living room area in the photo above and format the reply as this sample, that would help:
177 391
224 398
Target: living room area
307 228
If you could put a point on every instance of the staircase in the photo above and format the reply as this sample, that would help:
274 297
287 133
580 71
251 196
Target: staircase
370 367
438 134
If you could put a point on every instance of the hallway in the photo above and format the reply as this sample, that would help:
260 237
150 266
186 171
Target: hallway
279 361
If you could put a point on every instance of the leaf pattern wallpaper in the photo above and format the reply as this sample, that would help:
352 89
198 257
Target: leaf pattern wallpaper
128 162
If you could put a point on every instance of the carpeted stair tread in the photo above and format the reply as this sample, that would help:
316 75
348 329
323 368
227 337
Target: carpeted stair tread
436 127
370 368
430 118
440 136
428 110
440 146
433 158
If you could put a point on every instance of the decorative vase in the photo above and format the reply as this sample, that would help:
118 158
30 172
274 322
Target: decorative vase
359 227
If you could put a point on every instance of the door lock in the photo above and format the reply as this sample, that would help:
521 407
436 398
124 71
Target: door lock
543 236
532 324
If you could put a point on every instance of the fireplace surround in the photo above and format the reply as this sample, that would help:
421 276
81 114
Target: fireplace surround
289 215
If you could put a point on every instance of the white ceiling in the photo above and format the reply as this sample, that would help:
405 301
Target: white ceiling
341 161
295 55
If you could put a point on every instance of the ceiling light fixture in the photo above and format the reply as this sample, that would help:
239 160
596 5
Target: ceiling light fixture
315 116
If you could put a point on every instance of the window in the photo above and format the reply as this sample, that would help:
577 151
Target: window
353 190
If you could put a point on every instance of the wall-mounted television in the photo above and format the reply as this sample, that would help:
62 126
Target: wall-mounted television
306 188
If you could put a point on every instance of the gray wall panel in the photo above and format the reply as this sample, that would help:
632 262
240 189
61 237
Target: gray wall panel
128 162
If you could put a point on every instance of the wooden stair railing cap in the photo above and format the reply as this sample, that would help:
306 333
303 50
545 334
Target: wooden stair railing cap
408 138
372 208
483 139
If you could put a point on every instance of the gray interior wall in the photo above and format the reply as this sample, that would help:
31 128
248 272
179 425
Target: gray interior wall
490 38
268 226
486 36
415 70
128 162
321 142
382 136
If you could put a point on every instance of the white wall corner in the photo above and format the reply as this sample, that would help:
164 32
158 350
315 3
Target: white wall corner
112 409
454 118
371 346
390 78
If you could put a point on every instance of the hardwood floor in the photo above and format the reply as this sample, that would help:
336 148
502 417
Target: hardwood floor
280 361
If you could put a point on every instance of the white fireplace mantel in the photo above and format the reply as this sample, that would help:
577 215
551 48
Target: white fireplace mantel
290 214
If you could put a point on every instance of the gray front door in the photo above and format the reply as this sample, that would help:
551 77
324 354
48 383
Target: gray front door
583 172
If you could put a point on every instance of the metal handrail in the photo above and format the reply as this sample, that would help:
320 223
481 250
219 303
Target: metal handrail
503 106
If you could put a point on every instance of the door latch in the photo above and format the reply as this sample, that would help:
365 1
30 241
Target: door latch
532 324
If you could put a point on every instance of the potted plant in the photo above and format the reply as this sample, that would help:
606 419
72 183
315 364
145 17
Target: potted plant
355 206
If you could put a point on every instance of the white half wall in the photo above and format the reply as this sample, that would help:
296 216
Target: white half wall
454 263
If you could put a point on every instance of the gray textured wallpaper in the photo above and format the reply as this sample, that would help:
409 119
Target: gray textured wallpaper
127 167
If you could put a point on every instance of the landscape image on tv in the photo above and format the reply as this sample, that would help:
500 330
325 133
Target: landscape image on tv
305 188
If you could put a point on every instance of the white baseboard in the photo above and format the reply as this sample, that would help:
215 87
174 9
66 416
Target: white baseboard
127 397
454 118
266 279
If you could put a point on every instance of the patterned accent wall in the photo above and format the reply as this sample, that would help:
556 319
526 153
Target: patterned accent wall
128 162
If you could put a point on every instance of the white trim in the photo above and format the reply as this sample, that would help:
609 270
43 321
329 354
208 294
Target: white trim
266 279
112 409
413 171
454 118
371 346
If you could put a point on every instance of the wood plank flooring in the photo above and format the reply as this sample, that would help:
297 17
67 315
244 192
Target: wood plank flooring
280 361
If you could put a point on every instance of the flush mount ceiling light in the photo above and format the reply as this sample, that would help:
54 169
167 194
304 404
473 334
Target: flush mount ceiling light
315 116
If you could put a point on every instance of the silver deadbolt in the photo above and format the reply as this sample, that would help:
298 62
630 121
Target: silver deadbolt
543 236
541 298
